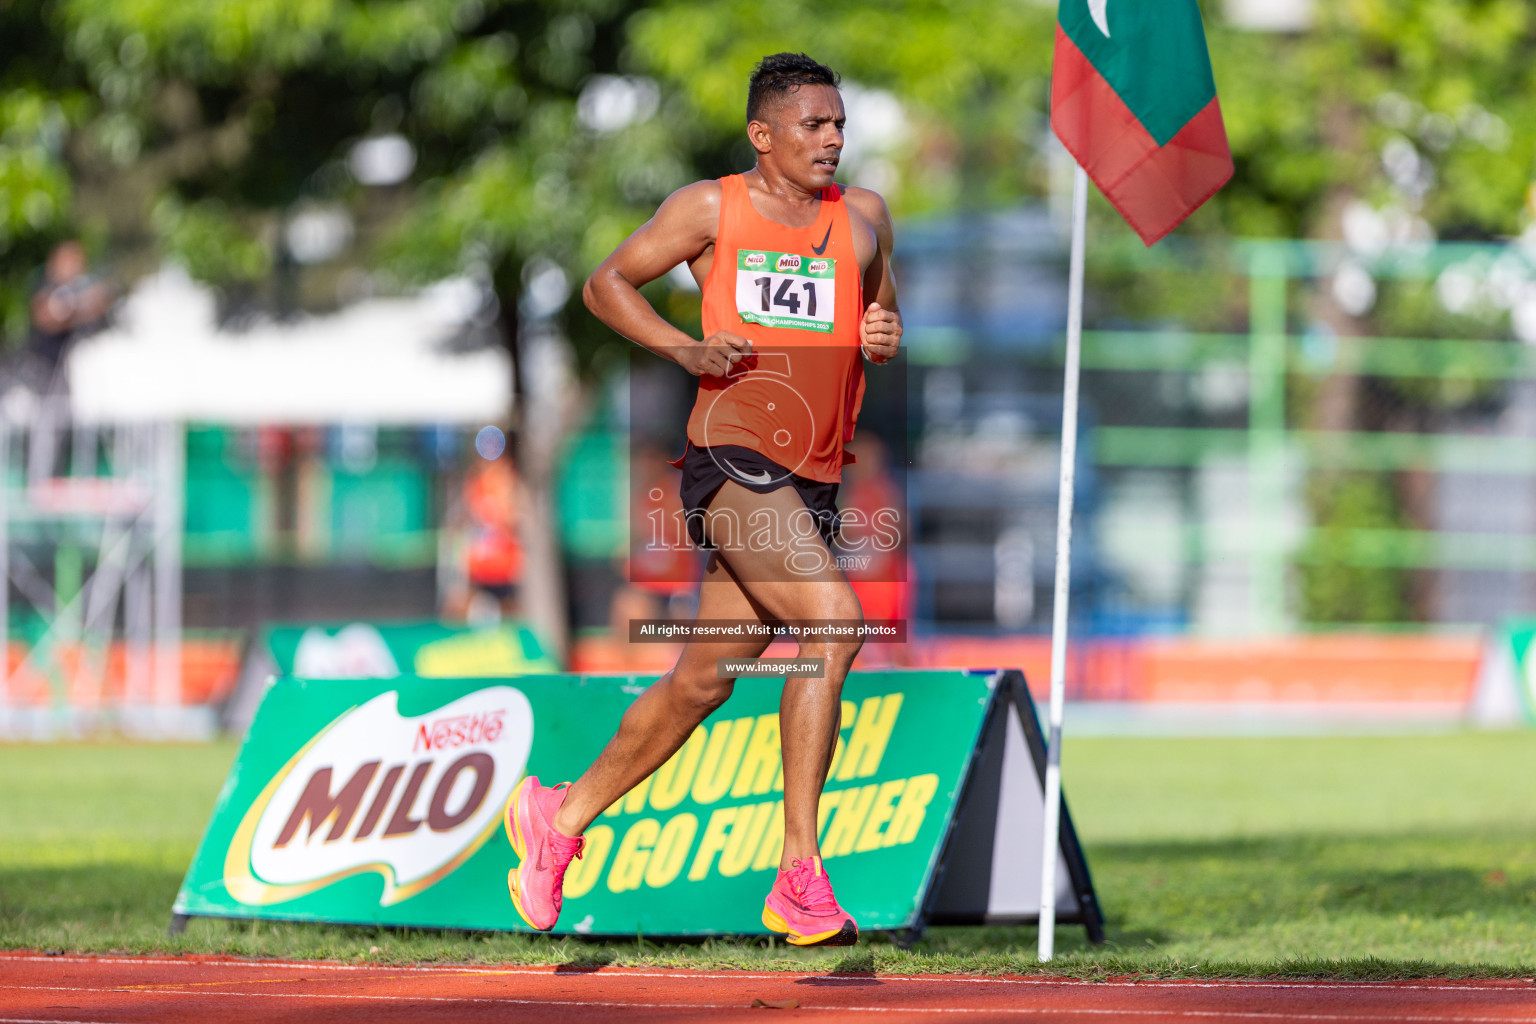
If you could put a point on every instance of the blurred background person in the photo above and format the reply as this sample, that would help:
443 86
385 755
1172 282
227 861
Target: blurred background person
662 569
873 543
493 551
69 302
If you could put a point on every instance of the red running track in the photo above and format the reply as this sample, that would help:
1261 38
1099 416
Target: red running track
37 989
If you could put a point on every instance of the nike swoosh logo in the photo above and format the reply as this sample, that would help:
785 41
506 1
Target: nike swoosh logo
761 477
819 249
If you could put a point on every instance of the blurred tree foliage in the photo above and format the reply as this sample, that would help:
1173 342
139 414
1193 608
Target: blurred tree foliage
1419 106
1307 113
199 131
971 79
196 130
1333 587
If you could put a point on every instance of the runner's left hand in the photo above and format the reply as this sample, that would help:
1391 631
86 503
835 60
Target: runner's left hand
880 333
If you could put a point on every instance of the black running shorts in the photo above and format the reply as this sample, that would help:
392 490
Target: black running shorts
706 469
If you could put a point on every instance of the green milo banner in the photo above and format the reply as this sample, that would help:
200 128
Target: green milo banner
382 650
369 650
380 801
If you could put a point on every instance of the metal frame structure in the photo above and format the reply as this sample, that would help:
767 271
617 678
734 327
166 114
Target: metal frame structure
104 505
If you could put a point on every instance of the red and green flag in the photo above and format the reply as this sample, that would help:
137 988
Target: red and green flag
1133 100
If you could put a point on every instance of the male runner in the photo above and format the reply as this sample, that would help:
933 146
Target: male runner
796 280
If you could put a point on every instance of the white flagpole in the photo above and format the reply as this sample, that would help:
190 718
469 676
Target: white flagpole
1049 853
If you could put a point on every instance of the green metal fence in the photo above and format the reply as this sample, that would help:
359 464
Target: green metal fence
1280 352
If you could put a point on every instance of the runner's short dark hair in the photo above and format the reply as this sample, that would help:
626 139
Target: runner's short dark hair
779 75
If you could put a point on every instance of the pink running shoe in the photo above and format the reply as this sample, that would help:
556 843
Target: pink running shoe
801 906
535 884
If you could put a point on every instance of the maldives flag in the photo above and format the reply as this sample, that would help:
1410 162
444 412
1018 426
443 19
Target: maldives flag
1132 98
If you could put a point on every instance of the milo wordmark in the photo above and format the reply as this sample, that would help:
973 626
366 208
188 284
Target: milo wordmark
409 798
785 262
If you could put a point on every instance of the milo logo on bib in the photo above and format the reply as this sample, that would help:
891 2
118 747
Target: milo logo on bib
783 289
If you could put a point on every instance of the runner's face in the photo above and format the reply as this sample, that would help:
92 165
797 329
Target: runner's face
807 135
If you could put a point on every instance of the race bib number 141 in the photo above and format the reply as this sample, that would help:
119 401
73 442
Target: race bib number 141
779 289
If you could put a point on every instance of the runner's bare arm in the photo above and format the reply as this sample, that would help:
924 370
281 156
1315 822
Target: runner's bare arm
880 330
681 230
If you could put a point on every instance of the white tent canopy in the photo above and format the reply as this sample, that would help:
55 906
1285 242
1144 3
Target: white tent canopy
379 361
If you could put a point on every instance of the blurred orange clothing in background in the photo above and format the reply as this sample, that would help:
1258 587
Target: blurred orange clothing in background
883 584
495 557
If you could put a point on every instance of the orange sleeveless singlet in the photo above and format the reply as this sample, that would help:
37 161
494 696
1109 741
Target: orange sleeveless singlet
798 296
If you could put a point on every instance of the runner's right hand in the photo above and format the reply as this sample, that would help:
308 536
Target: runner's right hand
715 355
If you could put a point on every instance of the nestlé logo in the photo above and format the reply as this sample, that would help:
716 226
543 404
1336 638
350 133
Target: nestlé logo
444 733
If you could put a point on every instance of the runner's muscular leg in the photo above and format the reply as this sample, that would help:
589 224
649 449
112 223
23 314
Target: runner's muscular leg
794 579
663 717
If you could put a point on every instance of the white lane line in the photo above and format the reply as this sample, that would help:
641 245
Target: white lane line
684 974
1021 1011
49 1020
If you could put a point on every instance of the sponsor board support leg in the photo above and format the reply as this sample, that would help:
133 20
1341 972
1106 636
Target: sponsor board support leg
987 872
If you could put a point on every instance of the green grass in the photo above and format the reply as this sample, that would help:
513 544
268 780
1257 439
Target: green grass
1328 857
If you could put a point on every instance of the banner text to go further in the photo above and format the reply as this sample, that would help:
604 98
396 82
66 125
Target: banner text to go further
738 759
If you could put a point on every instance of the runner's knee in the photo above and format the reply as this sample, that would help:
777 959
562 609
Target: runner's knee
840 605
843 652
703 691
